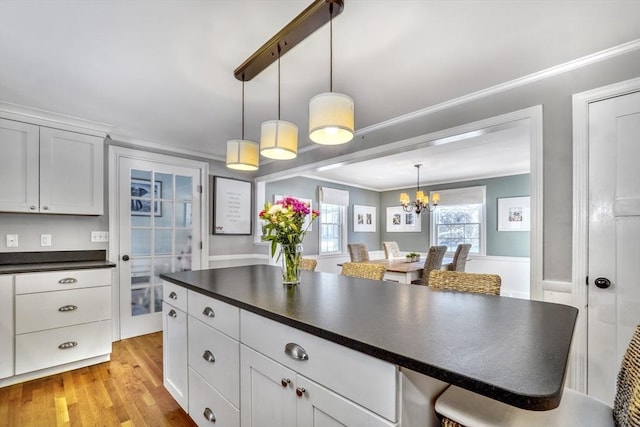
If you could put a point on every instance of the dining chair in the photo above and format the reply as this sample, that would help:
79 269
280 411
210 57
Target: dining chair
363 270
459 407
308 264
391 250
460 257
465 282
433 262
358 252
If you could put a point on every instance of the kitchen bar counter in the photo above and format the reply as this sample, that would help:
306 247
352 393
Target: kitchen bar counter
512 350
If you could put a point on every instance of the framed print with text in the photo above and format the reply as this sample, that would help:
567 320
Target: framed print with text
231 206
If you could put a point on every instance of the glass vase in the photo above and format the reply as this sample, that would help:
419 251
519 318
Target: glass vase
290 256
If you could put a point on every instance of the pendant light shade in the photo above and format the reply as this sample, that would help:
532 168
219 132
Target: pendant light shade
331 118
243 155
279 140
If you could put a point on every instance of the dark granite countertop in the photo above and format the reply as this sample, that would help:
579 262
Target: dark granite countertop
30 262
512 350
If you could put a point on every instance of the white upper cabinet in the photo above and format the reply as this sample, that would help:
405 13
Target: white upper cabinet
46 170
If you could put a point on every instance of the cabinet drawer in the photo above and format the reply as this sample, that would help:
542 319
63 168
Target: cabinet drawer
361 378
216 357
48 310
220 315
39 350
28 283
174 295
204 399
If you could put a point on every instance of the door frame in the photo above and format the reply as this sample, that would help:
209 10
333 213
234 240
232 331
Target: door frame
115 154
580 241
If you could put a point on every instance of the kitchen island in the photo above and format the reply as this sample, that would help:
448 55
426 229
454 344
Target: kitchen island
512 350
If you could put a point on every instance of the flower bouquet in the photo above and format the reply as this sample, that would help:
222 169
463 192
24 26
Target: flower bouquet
284 225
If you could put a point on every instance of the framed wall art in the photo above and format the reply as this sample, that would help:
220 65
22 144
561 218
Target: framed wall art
399 221
364 219
231 206
141 197
514 213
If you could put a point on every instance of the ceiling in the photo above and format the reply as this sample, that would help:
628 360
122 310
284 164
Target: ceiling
161 72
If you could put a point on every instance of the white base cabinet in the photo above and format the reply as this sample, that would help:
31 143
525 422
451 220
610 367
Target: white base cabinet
231 367
53 321
174 343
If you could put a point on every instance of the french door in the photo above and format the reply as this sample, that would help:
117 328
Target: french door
159 232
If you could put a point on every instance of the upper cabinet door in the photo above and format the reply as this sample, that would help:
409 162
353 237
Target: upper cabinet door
19 172
71 173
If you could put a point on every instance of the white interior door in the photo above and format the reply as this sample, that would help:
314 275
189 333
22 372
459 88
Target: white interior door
160 229
614 238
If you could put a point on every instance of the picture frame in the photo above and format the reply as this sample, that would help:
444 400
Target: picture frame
231 206
141 205
399 221
364 219
307 224
514 213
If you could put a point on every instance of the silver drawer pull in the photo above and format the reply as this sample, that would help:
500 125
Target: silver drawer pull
209 415
67 280
173 295
69 307
208 356
67 345
172 313
208 311
295 351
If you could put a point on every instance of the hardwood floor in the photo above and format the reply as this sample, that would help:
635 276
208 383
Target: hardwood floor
127 391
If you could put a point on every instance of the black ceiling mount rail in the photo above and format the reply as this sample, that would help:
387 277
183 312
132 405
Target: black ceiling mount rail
303 25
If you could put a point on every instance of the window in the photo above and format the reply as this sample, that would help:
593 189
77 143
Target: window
333 230
460 218
331 223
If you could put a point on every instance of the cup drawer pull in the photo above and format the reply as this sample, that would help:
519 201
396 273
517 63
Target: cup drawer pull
208 311
209 415
68 280
295 351
67 345
208 356
66 308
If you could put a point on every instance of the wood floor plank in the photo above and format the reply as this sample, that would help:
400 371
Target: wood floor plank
127 392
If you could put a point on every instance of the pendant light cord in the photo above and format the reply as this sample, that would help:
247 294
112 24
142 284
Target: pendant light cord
278 81
331 47
243 109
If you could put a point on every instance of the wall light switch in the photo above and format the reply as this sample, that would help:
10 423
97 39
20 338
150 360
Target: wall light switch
12 240
99 236
45 240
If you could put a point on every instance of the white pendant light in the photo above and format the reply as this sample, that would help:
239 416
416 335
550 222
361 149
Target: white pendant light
279 138
331 114
242 154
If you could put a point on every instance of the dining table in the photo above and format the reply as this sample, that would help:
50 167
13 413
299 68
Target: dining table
402 271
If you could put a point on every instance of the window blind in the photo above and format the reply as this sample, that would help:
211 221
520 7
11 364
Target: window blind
461 196
333 196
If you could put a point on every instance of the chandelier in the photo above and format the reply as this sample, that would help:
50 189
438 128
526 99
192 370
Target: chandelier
421 202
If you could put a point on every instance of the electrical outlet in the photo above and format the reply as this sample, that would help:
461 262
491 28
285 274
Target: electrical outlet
12 240
99 236
45 240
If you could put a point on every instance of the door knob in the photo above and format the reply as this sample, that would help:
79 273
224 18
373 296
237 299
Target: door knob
125 257
602 282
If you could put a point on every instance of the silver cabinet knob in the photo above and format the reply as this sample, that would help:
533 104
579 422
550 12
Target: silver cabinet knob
45 208
285 382
32 208
208 356
172 313
300 391
208 311
66 308
173 295
209 415
295 351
